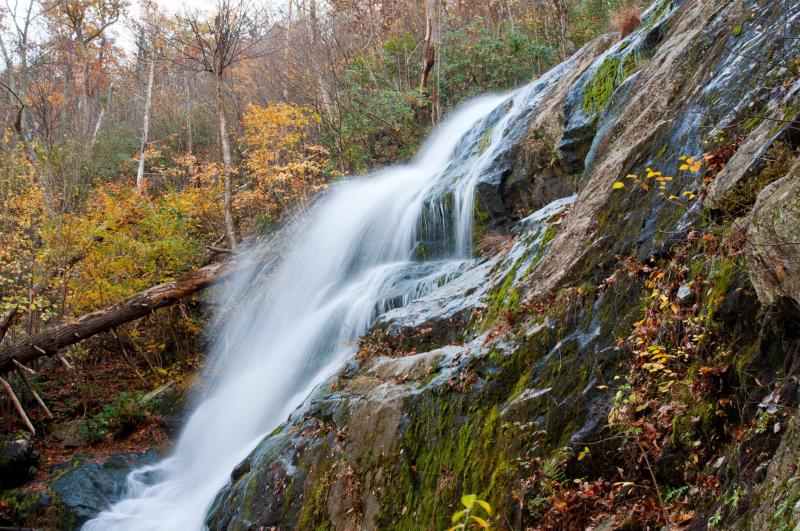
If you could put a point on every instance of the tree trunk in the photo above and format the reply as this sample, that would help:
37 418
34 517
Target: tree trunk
148 105
227 165
49 341
286 43
85 85
189 135
324 93
429 47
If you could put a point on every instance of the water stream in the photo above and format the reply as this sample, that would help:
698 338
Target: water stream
353 256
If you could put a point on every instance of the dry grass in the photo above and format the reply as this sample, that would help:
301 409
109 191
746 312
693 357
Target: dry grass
626 19
493 243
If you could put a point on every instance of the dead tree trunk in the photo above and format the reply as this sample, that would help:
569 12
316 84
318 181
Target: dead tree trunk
227 164
429 48
49 341
148 106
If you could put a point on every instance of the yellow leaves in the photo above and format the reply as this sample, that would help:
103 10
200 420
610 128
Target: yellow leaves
468 500
584 453
480 521
458 515
465 517
285 168
618 185
689 163
485 505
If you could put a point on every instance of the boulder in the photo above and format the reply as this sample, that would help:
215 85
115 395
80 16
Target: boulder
86 488
70 434
772 233
18 460
169 402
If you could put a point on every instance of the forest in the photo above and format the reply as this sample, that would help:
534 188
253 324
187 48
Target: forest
399 264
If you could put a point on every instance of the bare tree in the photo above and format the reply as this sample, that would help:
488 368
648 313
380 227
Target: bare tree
235 33
149 51
87 21
431 38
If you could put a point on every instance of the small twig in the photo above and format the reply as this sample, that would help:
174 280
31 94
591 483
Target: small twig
17 405
655 483
36 396
64 361
23 367
125 355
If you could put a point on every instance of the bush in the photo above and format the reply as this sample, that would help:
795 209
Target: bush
626 19
120 417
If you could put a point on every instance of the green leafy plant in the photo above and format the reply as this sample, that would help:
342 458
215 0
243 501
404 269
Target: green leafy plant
126 413
465 518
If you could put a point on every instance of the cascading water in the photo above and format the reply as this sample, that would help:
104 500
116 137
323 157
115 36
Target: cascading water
355 255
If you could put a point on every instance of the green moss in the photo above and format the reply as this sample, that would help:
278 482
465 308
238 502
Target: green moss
549 233
485 140
737 30
721 275
36 508
481 219
698 421
605 80
314 515
657 14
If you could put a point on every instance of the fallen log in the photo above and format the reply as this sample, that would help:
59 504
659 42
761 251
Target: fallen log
49 341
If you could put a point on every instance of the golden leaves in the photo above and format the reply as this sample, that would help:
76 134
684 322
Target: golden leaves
284 166
689 163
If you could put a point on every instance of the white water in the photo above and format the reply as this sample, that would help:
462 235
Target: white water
350 259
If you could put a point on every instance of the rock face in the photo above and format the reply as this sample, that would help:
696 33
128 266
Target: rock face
774 262
70 434
495 382
465 388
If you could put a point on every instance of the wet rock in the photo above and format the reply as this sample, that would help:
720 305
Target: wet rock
685 295
772 233
407 368
538 175
86 488
18 460
528 172
746 173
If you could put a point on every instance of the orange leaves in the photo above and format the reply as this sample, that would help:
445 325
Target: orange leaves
717 159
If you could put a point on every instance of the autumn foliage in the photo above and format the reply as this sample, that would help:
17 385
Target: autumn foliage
283 165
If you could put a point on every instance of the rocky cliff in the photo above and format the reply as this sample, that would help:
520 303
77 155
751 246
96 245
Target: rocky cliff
626 354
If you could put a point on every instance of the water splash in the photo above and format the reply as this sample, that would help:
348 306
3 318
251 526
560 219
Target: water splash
354 256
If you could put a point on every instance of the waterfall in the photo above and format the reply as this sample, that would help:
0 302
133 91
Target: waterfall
354 255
